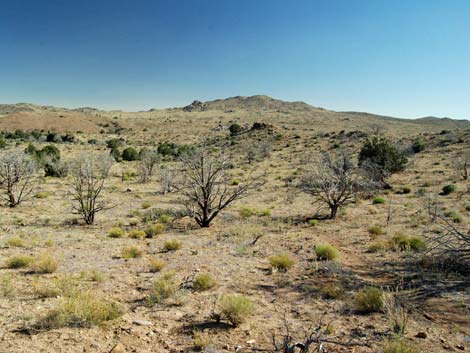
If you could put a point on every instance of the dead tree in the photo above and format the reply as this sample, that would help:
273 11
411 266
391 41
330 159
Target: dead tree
17 171
462 164
148 161
88 176
205 187
332 182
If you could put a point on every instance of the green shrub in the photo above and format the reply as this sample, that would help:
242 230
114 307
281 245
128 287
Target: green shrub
130 154
203 281
406 190
406 243
448 189
235 308
136 234
172 245
131 252
326 252
146 205
114 143
246 212
18 261
368 300
418 145
41 195
263 213
281 262
154 229
235 129
165 219
116 232
81 309
378 200
313 222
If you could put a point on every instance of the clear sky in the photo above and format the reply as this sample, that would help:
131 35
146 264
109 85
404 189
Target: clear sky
406 58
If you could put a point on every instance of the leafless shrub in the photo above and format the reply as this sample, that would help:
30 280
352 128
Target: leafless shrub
88 176
17 171
167 177
148 161
205 185
396 308
332 182
462 164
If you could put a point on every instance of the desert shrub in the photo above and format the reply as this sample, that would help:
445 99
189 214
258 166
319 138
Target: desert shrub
201 340
116 154
281 262
400 346
380 158
44 263
130 154
203 281
156 264
136 234
406 190
19 261
263 213
448 189
406 243
81 309
368 300
236 308
165 219
154 229
331 291
114 143
375 231
235 129
378 200
131 252
133 222
116 232
7 288
16 242
172 245
41 195
146 205
454 216
313 222
246 212
378 246
163 288
418 145
326 252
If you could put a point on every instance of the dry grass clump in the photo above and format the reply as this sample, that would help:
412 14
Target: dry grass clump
332 291
92 275
326 252
201 340
378 246
136 234
368 300
44 263
131 252
80 309
203 281
400 346
281 262
7 288
375 231
154 229
65 285
116 232
20 261
163 288
146 205
236 308
16 242
156 264
172 245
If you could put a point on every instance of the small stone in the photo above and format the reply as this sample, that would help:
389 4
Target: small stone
421 334
251 341
142 322
460 346
118 348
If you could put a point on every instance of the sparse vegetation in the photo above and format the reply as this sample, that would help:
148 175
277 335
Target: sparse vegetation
203 281
116 232
281 262
368 300
326 252
172 245
236 308
131 252
19 261
156 264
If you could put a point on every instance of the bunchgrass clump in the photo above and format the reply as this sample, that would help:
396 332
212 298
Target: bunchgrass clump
156 264
136 234
368 300
20 261
400 346
313 222
235 308
332 291
281 262
16 242
154 230
116 232
80 309
203 281
378 246
201 340
405 242
44 263
378 200
163 288
146 205
172 245
375 231
326 252
246 212
131 252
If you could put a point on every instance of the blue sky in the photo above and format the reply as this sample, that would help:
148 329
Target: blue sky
400 58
